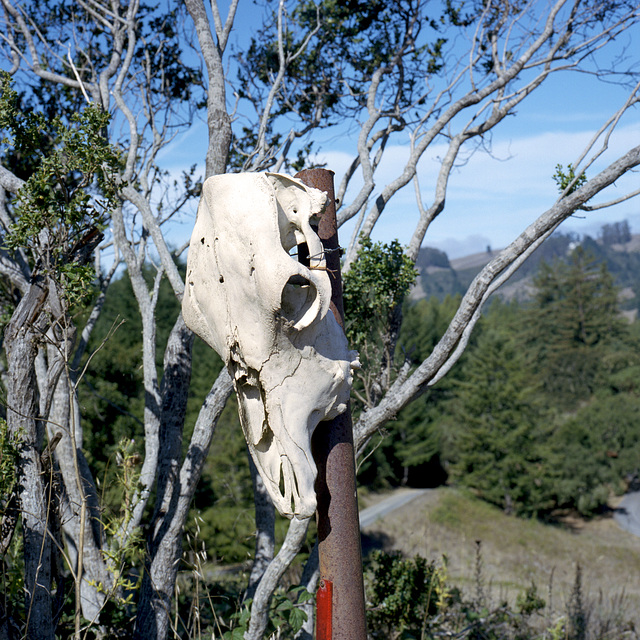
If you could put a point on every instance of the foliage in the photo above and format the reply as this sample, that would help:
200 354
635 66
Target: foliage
411 449
127 551
401 594
124 555
9 454
64 204
374 288
340 45
111 391
567 180
496 426
399 590
410 598
229 618
538 414
12 605
576 612
594 451
11 565
575 319
423 324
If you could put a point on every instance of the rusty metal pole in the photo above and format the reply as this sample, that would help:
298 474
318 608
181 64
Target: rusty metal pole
339 548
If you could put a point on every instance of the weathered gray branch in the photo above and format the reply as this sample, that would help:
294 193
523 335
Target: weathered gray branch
554 48
9 181
218 120
404 391
154 606
21 340
265 530
271 578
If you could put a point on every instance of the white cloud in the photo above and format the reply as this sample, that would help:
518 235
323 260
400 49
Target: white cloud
493 198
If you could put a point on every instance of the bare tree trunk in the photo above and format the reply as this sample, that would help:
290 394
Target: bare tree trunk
165 541
218 120
271 578
22 419
158 584
96 577
265 530
176 485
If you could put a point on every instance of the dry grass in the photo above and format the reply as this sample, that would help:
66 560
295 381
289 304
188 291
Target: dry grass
516 552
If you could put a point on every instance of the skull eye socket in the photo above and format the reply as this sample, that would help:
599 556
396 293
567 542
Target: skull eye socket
298 295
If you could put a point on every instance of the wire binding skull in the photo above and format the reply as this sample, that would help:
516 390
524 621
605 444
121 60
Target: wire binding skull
268 317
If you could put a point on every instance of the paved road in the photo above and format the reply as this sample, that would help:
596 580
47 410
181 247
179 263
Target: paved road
399 498
627 515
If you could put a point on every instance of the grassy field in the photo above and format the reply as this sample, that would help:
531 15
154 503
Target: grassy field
516 552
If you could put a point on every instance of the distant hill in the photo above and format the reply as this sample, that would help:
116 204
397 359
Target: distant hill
439 276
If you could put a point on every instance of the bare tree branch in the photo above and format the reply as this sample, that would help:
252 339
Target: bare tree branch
402 392
547 52
9 181
271 578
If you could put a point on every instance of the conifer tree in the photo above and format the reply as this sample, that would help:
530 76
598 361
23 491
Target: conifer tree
574 319
495 423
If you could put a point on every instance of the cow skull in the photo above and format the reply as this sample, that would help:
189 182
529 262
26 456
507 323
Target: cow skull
268 317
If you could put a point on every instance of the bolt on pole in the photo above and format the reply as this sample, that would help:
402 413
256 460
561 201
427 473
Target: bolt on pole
339 548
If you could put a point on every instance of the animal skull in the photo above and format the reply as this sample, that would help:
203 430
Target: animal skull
268 317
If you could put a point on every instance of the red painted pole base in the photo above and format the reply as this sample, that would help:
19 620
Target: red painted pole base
324 610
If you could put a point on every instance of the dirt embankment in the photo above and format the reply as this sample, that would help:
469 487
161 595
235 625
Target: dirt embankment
514 551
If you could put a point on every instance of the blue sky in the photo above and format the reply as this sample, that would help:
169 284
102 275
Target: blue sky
493 197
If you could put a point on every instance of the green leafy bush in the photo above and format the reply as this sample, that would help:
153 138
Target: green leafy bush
374 287
64 204
402 594
412 599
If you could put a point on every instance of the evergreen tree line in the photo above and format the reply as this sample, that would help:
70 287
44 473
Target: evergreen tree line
541 412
